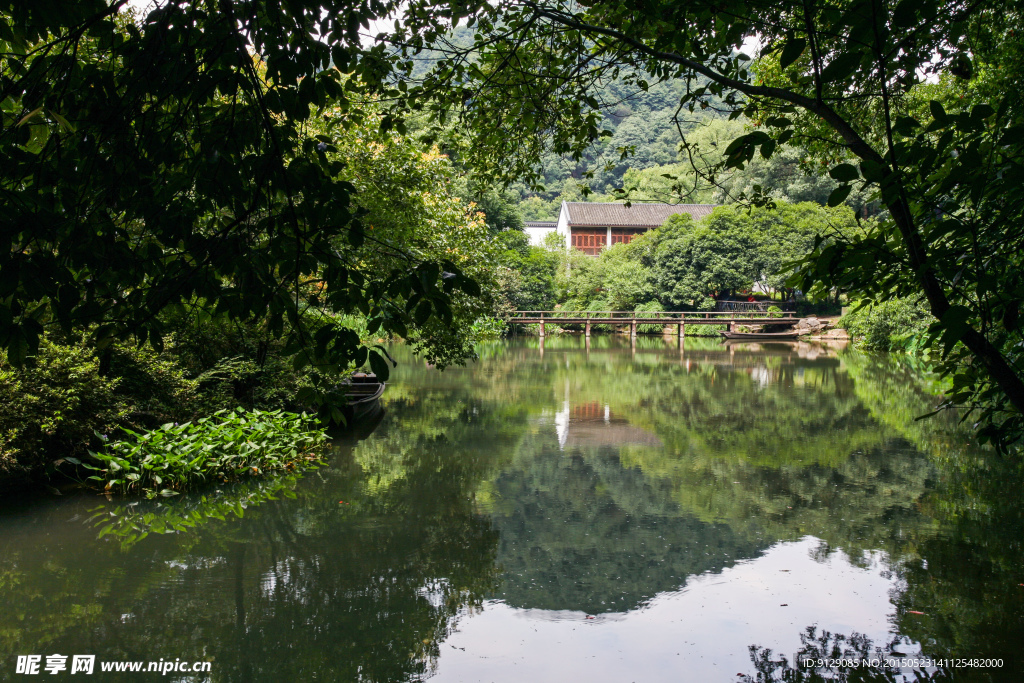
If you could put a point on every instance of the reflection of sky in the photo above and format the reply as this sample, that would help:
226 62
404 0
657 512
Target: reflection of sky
700 633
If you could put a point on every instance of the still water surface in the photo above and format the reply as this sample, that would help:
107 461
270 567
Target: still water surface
565 512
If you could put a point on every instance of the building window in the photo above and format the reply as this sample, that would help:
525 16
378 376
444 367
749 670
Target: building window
590 240
626 235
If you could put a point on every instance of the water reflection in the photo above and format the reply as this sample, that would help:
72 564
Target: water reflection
340 580
670 501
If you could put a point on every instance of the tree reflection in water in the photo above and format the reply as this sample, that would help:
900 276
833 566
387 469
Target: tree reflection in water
837 658
584 479
336 580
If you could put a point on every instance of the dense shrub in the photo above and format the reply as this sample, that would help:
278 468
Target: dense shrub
650 307
233 364
54 408
897 324
153 386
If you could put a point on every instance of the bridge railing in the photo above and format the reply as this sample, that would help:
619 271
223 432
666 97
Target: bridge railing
668 316
744 306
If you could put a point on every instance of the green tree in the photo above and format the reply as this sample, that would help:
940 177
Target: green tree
148 162
500 211
413 198
693 262
528 273
788 232
837 78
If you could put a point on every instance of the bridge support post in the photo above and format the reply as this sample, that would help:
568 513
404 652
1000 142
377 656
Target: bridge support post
541 329
588 327
682 330
632 329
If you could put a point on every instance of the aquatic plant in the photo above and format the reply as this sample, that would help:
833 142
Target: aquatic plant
227 445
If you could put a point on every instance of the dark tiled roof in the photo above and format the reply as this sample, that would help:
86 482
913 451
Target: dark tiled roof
638 215
541 224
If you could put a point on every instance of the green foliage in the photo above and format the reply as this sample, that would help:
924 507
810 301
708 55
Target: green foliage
527 273
500 210
683 264
155 387
693 262
650 307
617 278
736 249
899 324
197 157
413 213
534 208
53 408
227 445
843 83
789 175
234 364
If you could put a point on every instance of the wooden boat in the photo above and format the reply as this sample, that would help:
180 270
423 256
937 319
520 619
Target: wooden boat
761 336
363 392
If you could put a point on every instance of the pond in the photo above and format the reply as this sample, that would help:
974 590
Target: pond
568 510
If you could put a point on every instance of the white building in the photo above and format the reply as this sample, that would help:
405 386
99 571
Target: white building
591 226
538 230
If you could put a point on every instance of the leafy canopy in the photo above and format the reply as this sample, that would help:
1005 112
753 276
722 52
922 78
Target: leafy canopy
149 162
841 79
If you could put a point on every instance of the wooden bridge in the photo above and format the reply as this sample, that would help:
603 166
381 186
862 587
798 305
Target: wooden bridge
664 318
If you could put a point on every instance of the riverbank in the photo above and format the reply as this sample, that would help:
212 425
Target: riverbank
75 408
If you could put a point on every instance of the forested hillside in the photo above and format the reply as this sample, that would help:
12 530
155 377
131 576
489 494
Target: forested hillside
641 157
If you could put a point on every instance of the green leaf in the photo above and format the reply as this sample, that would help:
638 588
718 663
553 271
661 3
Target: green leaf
469 286
982 111
29 116
736 145
841 67
63 122
792 51
844 173
906 125
872 170
379 366
422 314
954 322
839 195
